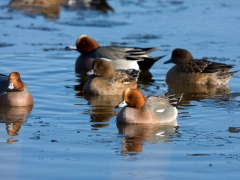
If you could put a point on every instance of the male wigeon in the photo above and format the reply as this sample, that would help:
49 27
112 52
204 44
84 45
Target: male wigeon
160 109
105 80
121 57
190 70
14 92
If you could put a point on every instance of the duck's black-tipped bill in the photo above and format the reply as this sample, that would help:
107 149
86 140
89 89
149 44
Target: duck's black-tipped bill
89 73
169 61
71 48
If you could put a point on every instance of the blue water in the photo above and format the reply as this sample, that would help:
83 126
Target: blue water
67 136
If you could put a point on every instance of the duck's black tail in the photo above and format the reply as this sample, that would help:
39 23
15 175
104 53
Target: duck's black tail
148 62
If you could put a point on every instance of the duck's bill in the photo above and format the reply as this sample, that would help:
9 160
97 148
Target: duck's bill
169 61
122 104
89 73
10 86
71 47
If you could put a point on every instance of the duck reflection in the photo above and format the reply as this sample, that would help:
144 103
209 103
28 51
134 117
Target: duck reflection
198 91
82 78
144 79
100 5
102 109
50 9
137 134
14 117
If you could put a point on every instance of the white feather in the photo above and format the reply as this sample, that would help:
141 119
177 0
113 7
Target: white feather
160 110
161 133
106 59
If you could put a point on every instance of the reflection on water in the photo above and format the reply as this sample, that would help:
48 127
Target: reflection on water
51 8
137 134
102 108
14 117
198 91
100 5
144 79
82 78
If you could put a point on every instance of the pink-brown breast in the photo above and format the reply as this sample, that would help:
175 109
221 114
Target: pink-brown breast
16 99
23 98
132 115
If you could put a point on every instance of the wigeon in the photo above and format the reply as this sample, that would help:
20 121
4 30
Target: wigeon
190 70
160 109
121 57
105 80
14 92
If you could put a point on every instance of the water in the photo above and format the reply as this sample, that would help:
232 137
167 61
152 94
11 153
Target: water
70 136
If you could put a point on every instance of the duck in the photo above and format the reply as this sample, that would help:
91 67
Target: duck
151 109
197 71
105 80
121 57
13 91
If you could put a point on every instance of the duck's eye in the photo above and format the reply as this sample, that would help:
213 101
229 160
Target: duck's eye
84 43
131 96
99 66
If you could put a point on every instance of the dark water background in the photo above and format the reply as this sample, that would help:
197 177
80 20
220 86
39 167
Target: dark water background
68 136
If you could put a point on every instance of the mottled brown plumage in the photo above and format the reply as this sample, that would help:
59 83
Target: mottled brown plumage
108 81
198 71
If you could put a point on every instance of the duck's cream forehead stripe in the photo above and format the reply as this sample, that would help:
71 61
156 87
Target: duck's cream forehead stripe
84 35
80 37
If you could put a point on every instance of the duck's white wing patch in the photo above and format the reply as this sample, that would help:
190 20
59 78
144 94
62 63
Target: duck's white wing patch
126 82
160 110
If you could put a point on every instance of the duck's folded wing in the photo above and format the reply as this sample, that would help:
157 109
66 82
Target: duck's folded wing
126 76
204 66
194 66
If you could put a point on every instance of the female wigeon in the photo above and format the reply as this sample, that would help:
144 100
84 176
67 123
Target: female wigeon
14 92
190 70
159 109
121 57
105 80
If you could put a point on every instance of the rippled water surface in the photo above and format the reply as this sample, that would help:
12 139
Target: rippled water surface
69 136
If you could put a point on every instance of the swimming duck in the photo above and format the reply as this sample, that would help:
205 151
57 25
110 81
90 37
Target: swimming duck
14 92
203 71
121 57
158 109
105 80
